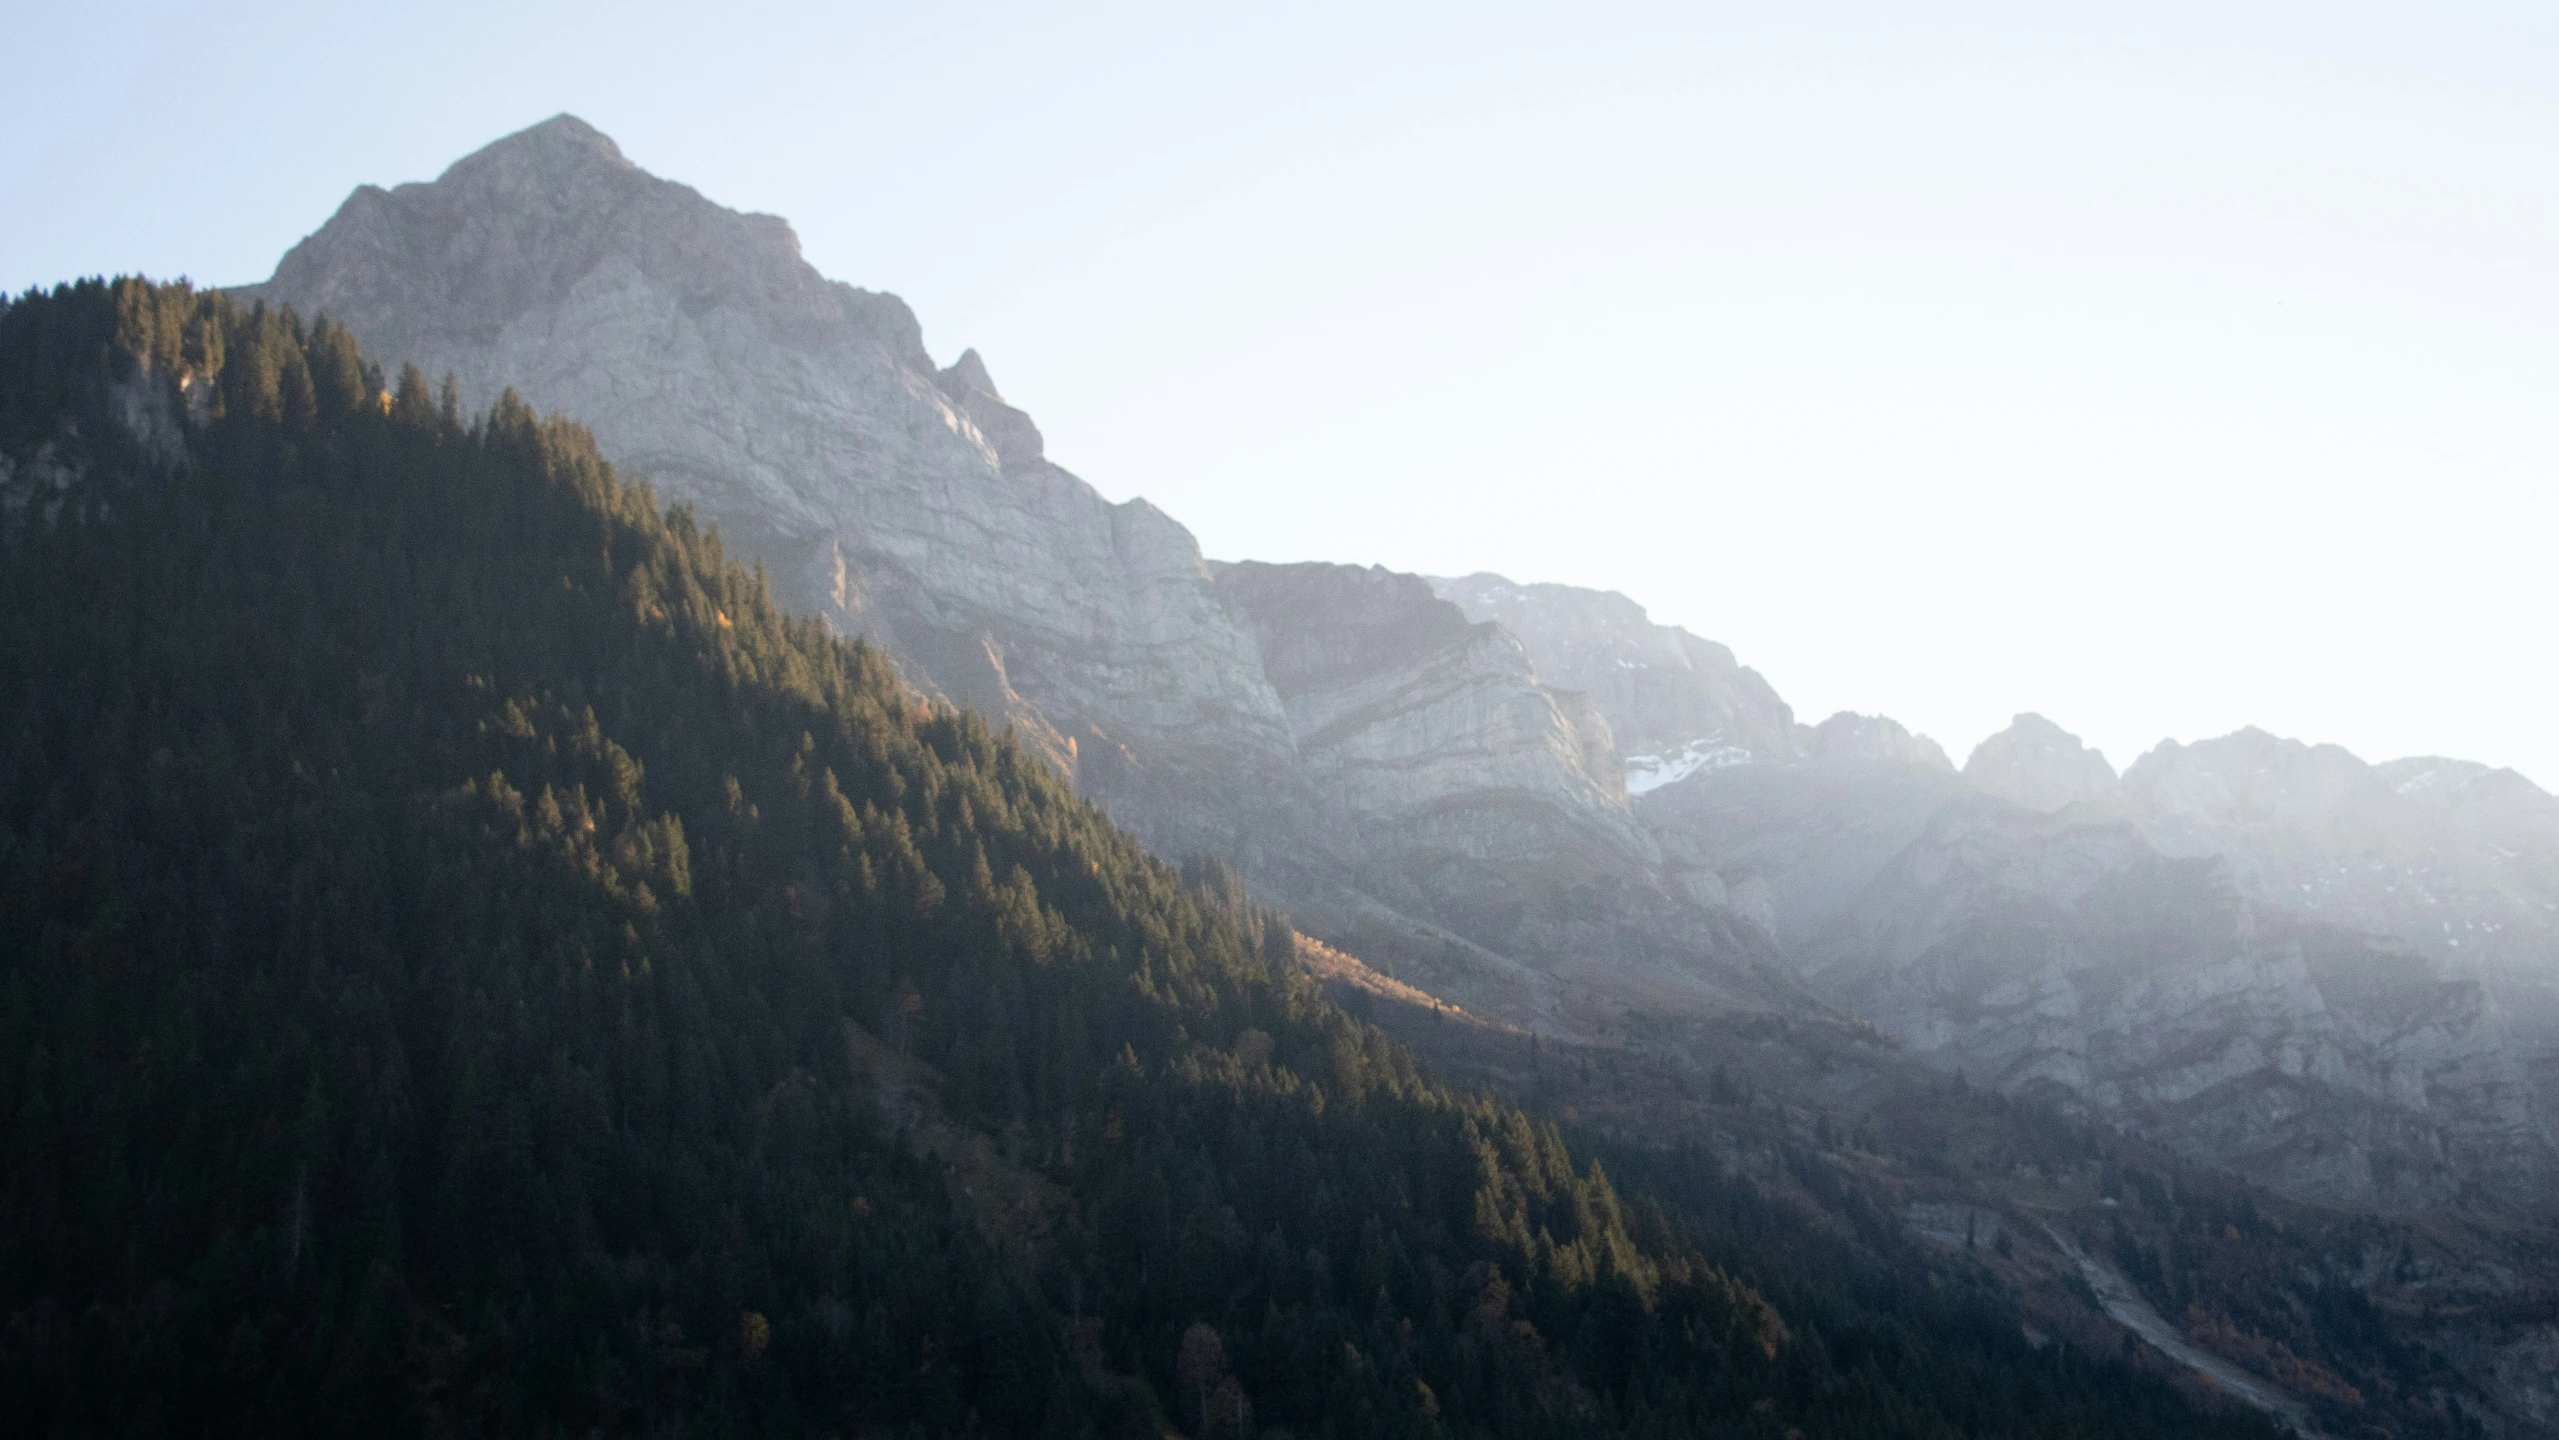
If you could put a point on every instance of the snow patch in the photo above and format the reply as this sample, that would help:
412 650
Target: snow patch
1647 773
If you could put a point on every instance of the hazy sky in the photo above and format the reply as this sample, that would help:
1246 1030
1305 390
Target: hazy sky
2164 375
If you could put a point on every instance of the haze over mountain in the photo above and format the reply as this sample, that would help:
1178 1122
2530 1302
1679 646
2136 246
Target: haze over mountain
1582 829
1515 797
473 964
2001 307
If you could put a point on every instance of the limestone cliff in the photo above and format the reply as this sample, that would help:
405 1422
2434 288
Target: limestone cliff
1481 796
1677 704
904 503
1435 782
1847 737
2455 859
2062 955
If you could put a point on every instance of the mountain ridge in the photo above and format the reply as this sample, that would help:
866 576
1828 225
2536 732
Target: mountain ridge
475 964
1451 809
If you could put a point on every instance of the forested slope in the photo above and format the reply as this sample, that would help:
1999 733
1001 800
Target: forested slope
453 930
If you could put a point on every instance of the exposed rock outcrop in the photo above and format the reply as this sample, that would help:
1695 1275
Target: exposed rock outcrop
904 503
1419 771
1846 738
1480 797
2458 860
2039 765
1800 841
1665 692
2062 955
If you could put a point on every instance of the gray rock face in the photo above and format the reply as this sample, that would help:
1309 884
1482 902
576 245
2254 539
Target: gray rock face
1676 702
2065 954
1847 738
1478 796
906 504
2451 856
2039 765
1801 840
2062 955
2455 859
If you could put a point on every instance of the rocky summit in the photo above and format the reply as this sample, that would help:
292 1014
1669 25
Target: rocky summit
903 502
2039 765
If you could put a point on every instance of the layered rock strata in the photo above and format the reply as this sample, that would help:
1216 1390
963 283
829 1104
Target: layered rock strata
1663 690
1482 797
2062 955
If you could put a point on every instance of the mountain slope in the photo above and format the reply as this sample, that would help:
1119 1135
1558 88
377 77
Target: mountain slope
903 503
916 508
1663 690
470 963
2454 858
2063 956
1487 801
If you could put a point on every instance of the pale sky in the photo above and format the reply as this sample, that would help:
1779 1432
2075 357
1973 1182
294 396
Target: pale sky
2162 374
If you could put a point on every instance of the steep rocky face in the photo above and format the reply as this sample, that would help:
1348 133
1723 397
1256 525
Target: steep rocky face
1480 797
1677 704
1847 738
903 503
2062 955
2039 765
2453 858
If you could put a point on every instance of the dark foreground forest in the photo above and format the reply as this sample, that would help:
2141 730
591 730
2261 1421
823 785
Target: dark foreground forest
472 966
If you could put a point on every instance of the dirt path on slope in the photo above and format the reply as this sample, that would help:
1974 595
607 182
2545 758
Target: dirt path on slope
2126 1307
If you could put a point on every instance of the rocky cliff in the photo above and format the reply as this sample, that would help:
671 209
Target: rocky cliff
2039 765
1677 704
1388 762
1847 737
904 503
2062 955
2455 857
1481 797
2456 860
1533 788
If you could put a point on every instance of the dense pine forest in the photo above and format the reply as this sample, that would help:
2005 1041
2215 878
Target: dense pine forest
470 965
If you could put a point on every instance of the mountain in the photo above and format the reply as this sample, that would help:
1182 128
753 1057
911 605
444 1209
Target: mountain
1847 736
902 502
914 507
1669 697
2039 765
1542 806
2455 860
2065 957
2068 955
470 962
1488 801
2455 857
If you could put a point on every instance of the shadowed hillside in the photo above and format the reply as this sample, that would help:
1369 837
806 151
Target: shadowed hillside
473 965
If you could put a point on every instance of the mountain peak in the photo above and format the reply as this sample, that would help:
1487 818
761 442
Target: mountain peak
966 376
560 145
1851 737
2039 765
